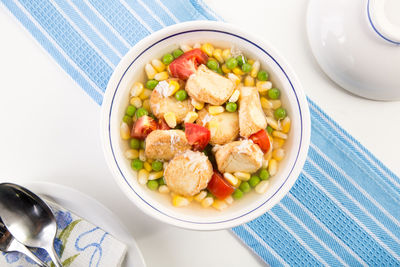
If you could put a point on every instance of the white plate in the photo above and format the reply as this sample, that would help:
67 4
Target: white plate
91 210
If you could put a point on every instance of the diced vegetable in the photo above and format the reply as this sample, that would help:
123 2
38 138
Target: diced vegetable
181 95
219 187
197 136
143 126
157 166
262 75
261 139
186 65
167 58
134 143
231 107
137 164
274 93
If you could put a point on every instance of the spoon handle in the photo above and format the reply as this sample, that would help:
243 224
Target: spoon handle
54 257
16 246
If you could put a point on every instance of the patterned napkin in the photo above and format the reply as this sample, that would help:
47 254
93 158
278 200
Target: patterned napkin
78 243
345 207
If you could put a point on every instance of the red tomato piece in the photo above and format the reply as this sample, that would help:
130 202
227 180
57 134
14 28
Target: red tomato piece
162 125
143 126
261 139
185 65
219 187
197 136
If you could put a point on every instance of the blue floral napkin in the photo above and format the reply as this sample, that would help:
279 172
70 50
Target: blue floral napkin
78 243
345 207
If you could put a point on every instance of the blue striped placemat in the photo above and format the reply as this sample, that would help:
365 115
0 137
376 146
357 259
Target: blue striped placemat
345 207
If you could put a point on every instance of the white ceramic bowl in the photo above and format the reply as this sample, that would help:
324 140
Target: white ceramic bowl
116 99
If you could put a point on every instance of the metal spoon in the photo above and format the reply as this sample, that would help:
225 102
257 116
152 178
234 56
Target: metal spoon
9 244
28 218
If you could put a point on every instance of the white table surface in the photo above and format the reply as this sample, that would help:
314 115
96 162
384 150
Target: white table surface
50 128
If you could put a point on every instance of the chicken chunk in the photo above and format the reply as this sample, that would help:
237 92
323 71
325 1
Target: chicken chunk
207 86
164 144
244 156
188 173
251 116
224 127
161 104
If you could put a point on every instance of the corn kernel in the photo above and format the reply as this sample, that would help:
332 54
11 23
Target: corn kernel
143 176
207 202
163 189
250 61
279 135
265 163
158 65
268 112
200 196
150 71
170 119
226 54
136 101
268 156
273 167
276 103
208 49
273 123
248 81
235 96
146 105
265 103
142 155
185 47
161 76
228 200
156 175
136 89
219 204
191 117
179 201
263 86
234 78
173 87
238 71
262 187
231 179
244 176
277 142
285 123
147 166
225 69
150 160
215 110
125 131
217 54
278 154
197 104
131 154
197 45
145 94
255 69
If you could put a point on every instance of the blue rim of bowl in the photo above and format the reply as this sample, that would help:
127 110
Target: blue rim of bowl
376 30
298 104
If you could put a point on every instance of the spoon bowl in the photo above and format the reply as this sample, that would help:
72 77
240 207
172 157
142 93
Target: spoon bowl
28 218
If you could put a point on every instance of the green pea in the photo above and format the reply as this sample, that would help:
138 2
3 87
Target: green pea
152 184
137 164
142 144
254 180
245 187
140 112
212 64
161 181
280 113
246 67
231 63
130 110
264 174
177 53
238 194
127 119
181 95
209 194
219 71
151 84
274 93
231 107
270 129
157 165
134 143
262 75
167 58
241 60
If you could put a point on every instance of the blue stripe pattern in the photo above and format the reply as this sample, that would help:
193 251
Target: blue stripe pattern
343 209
